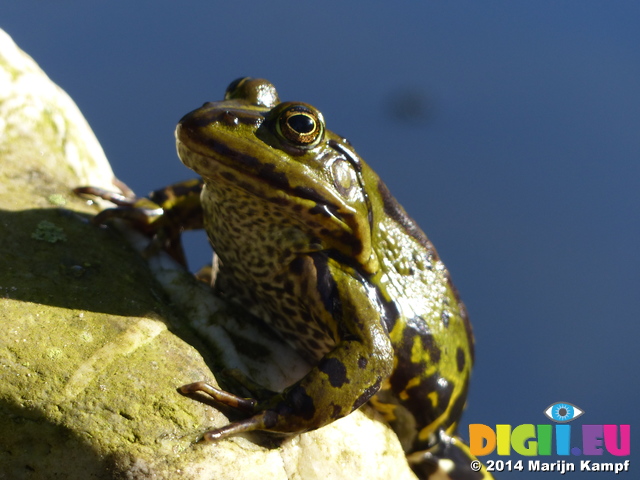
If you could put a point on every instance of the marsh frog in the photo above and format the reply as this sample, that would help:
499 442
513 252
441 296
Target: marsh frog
310 240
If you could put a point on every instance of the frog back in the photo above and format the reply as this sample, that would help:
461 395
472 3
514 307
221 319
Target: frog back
430 331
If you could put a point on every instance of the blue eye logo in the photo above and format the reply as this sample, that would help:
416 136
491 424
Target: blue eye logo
563 412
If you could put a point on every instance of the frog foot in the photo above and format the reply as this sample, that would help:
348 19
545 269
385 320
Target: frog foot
243 404
449 458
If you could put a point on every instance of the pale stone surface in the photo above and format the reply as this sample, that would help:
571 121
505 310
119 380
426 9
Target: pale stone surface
93 342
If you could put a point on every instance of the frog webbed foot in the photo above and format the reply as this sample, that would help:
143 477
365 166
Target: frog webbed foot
244 404
237 381
449 458
247 405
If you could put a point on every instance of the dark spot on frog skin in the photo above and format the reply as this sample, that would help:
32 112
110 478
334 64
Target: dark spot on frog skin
424 412
320 210
249 187
302 328
297 265
301 403
429 345
270 418
278 201
335 370
267 287
288 311
228 176
277 179
326 285
405 371
288 286
458 405
412 397
460 359
337 411
362 362
367 394
417 327
310 194
313 345
351 240
391 312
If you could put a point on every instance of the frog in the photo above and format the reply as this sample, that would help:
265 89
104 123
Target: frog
309 239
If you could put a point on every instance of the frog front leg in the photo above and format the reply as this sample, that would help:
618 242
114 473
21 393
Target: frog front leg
163 215
343 380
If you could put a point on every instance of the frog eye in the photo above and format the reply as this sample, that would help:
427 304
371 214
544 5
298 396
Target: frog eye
301 125
563 412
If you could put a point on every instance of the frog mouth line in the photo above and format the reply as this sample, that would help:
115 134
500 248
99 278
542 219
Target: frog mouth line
265 173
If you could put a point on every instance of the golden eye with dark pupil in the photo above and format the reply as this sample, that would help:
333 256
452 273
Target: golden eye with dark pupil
300 126
302 123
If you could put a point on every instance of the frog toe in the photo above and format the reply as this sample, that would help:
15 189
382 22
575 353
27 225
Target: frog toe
247 405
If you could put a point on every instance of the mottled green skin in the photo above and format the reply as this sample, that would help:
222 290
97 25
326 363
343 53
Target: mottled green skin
310 240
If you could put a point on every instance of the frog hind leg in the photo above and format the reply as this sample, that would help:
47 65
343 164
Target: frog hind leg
345 378
325 394
449 459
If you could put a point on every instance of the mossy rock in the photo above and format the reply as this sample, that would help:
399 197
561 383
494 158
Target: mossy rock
94 339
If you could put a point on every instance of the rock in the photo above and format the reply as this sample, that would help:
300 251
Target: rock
94 340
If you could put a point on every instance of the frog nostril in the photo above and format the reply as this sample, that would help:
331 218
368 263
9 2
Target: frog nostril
229 118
